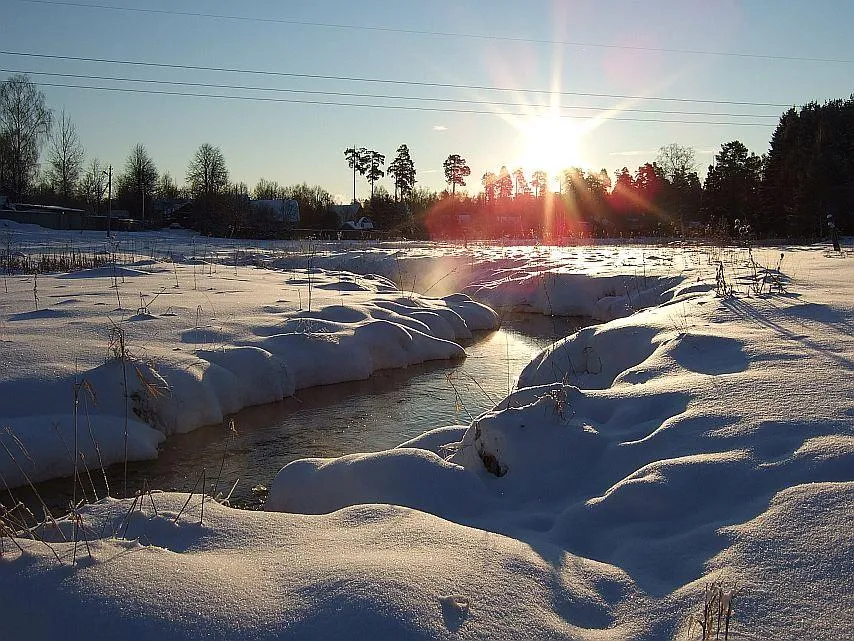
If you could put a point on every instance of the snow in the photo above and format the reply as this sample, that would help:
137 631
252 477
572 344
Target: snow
693 438
200 342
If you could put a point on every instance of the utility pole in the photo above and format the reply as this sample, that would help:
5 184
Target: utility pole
109 199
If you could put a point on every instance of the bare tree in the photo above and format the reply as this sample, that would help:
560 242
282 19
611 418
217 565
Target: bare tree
676 161
207 174
167 188
25 123
268 189
65 159
93 185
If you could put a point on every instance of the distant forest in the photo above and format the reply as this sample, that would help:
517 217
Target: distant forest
801 187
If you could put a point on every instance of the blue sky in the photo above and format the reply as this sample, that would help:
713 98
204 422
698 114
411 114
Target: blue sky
293 143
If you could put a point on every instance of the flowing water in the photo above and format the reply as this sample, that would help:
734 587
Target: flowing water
388 408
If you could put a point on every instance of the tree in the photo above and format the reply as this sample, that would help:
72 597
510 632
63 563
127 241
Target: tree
139 180
540 182
809 170
25 123
267 190
357 159
504 184
488 181
522 186
676 162
207 174
731 190
65 159
374 162
93 185
402 169
456 171
167 188
314 202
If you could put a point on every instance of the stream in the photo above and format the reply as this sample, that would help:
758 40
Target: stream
375 414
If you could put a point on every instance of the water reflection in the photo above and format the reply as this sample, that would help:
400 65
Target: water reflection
362 416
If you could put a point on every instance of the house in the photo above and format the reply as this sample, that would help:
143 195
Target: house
49 216
364 223
345 213
168 208
283 210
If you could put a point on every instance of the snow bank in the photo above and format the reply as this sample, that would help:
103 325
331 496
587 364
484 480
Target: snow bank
674 444
705 438
152 349
378 570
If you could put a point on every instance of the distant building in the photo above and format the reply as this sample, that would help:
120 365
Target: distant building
48 216
283 210
364 223
346 213
168 208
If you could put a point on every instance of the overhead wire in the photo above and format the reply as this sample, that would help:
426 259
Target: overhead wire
379 106
347 94
388 81
432 33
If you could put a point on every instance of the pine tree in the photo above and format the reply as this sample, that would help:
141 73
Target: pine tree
456 171
357 160
402 169
374 162
137 184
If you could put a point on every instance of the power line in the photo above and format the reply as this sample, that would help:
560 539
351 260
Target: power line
377 106
439 34
412 83
384 96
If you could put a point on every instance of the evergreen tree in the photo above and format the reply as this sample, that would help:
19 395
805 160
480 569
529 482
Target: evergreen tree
809 170
540 182
522 186
456 171
402 169
731 190
374 162
504 184
357 160
488 180
137 184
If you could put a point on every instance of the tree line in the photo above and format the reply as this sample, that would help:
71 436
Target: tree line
803 182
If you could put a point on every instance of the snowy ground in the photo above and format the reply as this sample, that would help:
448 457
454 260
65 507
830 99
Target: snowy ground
697 437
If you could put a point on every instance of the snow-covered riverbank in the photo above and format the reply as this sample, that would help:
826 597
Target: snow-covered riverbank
706 437
149 348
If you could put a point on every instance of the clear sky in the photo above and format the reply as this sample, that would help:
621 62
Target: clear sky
797 52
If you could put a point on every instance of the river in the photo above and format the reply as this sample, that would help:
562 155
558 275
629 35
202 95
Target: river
381 412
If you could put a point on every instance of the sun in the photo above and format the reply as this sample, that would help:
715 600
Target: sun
549 143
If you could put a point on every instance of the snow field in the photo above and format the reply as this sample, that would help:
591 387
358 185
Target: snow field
703 438
662 444
152 349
